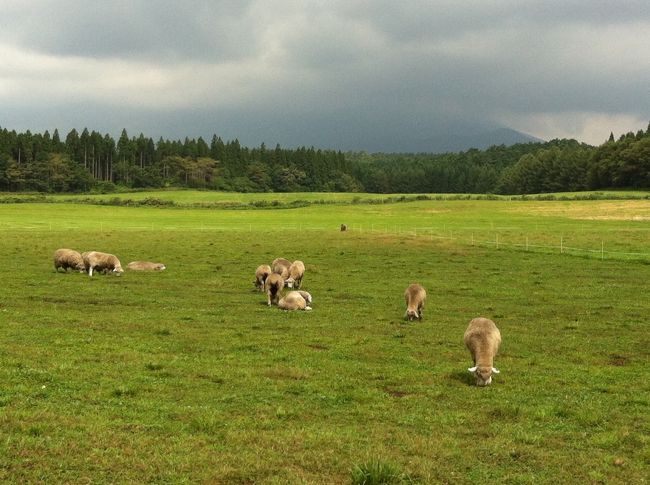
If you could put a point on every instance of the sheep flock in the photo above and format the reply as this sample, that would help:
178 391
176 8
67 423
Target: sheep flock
482 337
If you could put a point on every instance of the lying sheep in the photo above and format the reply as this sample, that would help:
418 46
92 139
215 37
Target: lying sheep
68 258
261 273
145 266
415 297
281 267
295 300
98 261
483 338
296 272
273 287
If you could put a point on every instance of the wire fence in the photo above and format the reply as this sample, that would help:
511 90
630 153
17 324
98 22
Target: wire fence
498 238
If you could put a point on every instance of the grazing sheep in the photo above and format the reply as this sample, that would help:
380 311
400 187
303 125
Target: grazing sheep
261 273
98 261
145 266
296 272
415 297
344 227
68 258
281 267
273 287
295 300
482 338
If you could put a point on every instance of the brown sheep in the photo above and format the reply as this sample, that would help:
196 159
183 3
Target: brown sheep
415 297
482 338
145 266
295 300
261 273
68 258
98 261
273 287
281 267
344 227
296 272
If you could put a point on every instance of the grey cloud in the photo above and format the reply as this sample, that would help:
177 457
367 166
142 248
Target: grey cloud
346 72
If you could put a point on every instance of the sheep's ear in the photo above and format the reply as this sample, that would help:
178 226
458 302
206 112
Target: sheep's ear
472 369
495 370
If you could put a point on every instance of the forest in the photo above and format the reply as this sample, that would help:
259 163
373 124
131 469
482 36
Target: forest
92 162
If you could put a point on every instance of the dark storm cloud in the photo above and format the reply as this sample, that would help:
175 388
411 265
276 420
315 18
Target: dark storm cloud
330 73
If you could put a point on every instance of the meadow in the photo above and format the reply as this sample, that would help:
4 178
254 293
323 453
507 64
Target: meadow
186 376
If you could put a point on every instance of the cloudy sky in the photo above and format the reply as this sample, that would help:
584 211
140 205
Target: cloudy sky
345 74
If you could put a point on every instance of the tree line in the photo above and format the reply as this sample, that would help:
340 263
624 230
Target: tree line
90 161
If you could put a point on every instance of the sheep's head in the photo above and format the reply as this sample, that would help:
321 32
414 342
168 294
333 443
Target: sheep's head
289 282
412 315
80 267
118 270
483 374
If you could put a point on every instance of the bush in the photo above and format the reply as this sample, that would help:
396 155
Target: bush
377 472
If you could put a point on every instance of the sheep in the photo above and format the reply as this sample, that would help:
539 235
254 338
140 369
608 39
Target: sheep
482 338
344 227
261 273
281 267
273 287
415 297
98 261
68 258
295 300
296 272
145 266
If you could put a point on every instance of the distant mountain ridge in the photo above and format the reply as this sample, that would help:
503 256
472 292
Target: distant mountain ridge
463 140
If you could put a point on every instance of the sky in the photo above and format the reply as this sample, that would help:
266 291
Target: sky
374 75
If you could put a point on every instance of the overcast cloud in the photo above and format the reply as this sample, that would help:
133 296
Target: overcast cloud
375 75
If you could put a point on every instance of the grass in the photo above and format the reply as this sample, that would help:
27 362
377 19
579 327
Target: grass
186 376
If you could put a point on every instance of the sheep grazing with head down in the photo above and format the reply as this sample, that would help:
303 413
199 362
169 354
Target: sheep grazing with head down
296 272
103 262
415 296
295 300
483 338
273 287
68 258
281 267
261 273
145 266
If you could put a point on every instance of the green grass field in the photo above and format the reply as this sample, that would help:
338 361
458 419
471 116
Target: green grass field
186 376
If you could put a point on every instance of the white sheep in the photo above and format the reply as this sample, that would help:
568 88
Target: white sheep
68 258
296 273
273 287
261 273
482 338
98 261
415 296
295 300
281 267
145 266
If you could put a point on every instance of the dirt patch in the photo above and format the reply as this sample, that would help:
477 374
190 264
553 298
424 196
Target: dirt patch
618 360
606 210
397 393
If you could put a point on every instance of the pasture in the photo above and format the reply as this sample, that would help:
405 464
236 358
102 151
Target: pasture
186 376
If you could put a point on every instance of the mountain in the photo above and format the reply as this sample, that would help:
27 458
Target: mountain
461 139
